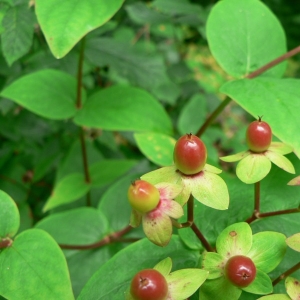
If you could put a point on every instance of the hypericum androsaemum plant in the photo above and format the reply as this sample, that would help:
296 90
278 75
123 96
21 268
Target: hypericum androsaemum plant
95 94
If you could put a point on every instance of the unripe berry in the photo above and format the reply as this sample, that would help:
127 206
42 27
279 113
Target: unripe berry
143 196
259 136
190 154
240 270
149 284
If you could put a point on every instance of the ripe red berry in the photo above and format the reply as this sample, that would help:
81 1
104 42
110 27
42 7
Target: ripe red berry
190 154
143 196
149 284
240 270
259 136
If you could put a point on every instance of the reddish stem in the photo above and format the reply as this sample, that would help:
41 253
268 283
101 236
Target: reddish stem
190 215
202 239
286 273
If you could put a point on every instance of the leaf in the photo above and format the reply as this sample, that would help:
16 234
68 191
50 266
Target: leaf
294 181
274 99
253 168
18 24
294 242
275 297
184 283
64 24
108 170
280 148
100 286
164 266
235 157
34 267
214 263
69 189
280 161
157 147
236 239
80 226
292 288
47 93
262 284
147 71
124 108
9 216
245 35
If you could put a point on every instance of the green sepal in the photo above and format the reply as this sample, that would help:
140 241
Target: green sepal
236 239
262 284
280 161
294 181
235 157
292 286
212 169
164 266
294 242
213 263
253 168
219 288
268 249
165 174
209 189
9 216
275 297
184 283
280 148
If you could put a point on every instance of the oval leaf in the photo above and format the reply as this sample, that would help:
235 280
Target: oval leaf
34 267
47 93
9 216
293 288
65 23
275 297
124 108
294 242
280 161
262 284
237 32
156 147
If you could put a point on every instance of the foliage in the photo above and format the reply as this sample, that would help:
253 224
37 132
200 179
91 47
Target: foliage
95 94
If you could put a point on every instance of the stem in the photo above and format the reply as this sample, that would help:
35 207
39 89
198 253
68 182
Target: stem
202 239
255 214
112 238
286 273
254 74
79 74
190 215
279 212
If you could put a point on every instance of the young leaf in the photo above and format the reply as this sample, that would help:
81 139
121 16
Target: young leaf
34 267
294 242
65 23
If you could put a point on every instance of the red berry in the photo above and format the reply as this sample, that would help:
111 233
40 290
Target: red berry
240 270
143 196
259 136
149 284
190 154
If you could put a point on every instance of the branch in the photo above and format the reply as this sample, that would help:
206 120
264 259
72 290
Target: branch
286 273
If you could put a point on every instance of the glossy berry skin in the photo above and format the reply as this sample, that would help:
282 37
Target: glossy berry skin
149 284
143 196
190 154
259 136
240 270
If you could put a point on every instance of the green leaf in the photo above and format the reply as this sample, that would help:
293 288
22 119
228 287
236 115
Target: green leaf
253 168
69 189
274 99
275 297
214 263
34 267
124 108
237 32
18 24
280 161
81 226
294 242
65 23
146 255
164 266
262 284
235 157
107 171
9 216
293 287
280 148
157 147
128 63
236 239
184 283
294 181
267 251
48 93
219 288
